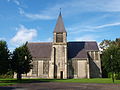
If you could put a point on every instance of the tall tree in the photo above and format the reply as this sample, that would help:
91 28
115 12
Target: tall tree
4 57
117 42
111 60
21 61
106 43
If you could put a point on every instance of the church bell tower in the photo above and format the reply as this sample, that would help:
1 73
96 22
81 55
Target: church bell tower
60 34
58 67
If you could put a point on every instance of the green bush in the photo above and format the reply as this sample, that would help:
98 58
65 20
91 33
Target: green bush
109 75
7 75
117 76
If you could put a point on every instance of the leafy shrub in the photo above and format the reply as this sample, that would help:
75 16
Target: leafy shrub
7 75
117 76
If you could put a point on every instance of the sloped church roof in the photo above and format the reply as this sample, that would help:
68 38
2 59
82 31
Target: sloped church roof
40 50
80 49
75 49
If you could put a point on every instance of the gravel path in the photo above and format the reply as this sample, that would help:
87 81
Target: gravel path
61 86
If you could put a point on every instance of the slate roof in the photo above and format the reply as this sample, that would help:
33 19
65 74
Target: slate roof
59 25
75 49
40 50
80 49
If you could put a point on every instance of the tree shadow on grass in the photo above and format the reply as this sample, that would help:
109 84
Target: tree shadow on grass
13 84
7 88
28 81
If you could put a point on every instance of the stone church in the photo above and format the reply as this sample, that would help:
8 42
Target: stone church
62 59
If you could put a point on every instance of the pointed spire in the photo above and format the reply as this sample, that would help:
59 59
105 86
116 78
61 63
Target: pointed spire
60 12
59 25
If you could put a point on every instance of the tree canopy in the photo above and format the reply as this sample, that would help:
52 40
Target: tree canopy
4 57
111 59
21 60
106 43
111 56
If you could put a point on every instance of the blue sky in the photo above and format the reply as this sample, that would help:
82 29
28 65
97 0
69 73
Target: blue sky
34 20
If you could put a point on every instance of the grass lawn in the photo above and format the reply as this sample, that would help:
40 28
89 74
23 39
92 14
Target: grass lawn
4 82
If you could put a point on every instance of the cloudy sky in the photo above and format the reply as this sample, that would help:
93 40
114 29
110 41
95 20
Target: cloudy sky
34 20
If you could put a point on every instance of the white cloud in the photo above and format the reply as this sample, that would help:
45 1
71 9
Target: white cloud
78 29
86 38
24 34
14 1
107 25
75 7
21 11
95 5
35 16
84 28
17 2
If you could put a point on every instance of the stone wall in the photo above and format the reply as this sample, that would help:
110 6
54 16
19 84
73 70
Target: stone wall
40 69
82 69
58 61
77 68
73 68
95 64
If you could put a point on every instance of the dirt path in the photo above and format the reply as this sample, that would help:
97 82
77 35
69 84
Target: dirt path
61 86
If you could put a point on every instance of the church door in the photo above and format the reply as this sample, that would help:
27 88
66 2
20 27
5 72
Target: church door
61 74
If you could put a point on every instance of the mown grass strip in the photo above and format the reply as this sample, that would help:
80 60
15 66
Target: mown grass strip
4 82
